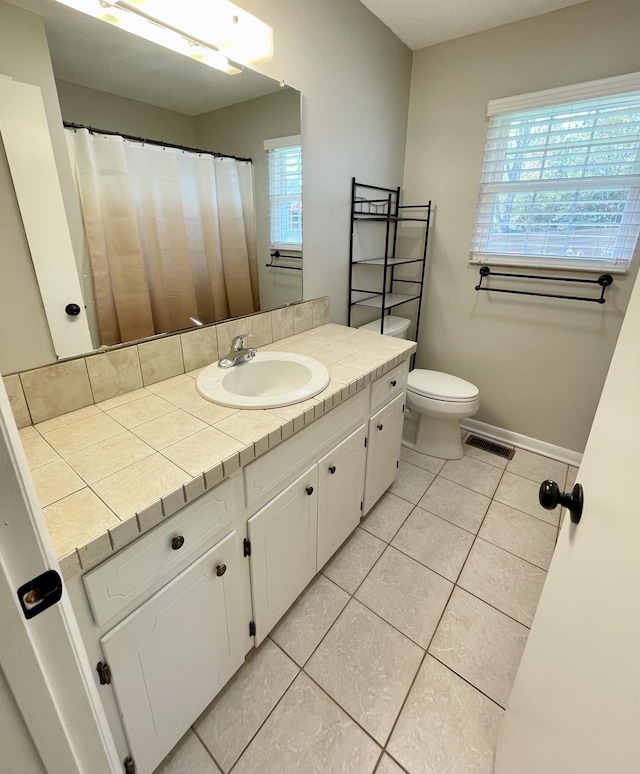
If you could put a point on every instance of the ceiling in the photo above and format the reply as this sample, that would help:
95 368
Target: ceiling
422 23
91 53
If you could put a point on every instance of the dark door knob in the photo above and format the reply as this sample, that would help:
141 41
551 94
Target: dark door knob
220 570
72 310
309 490
550 496
380 426
177 542
332 469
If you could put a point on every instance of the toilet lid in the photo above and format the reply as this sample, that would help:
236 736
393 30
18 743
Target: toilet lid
435 384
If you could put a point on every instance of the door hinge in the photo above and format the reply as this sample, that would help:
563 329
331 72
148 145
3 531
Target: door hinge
397 463
40 593
104 673
361 505
129 765
246 547
403 408
365 442
252 629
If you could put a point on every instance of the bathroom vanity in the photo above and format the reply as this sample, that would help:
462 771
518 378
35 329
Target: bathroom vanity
168 618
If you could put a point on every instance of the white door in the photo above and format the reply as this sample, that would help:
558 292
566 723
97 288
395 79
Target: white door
283 538
575 704
43 661
171 656
340 485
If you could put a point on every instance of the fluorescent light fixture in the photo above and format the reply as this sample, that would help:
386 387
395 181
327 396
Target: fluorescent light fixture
212 35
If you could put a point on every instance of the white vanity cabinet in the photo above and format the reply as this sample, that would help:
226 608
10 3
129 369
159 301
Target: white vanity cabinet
384 434
170 657
295 534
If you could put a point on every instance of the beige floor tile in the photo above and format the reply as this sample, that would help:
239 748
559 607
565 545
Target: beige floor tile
503 580
38 452
388 766
387 516
434 542
572 474
139 485
520 534
54 481
142 410
522 494
307 732
202 450
169 428
406 594
107 457
77 519
446 726
189 756
424 461
351 564
456 504
474 474
481 644
411 482
367 667
72 438
537 468
310 618
227 726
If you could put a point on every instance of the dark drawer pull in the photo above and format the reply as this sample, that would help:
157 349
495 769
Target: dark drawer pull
220 570
393 382
177 542
332 469
309 490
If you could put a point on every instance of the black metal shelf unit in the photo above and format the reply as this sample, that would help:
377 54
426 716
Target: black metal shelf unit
375 203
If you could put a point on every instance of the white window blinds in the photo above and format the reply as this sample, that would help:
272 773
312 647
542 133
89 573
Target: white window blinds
560 185
284 157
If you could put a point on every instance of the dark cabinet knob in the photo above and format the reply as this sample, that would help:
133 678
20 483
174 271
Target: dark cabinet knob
72 310
220 570
550 496
309 490
380 426
393 382
332 469
177 542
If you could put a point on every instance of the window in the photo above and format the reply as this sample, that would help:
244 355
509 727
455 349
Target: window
560 183
285 192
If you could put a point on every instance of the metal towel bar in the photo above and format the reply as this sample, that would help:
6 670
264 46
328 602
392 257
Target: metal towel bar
604 280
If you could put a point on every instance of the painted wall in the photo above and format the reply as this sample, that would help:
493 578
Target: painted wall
540 364
241 131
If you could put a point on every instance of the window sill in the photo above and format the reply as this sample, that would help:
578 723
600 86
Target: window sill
535 262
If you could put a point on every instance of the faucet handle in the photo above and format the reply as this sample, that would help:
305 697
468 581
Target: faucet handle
238 341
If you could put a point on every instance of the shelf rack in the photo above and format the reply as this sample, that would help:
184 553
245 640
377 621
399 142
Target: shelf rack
375 203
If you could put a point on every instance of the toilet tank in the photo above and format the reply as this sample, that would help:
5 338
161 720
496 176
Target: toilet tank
393 326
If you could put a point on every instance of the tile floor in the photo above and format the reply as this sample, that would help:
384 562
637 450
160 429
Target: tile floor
400 655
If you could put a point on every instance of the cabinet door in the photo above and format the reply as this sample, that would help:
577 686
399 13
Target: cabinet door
385 435
283 550
340 486
172 655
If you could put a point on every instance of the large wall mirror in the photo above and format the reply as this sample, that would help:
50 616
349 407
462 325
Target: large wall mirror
111 80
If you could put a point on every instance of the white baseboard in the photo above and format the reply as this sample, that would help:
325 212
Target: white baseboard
522 441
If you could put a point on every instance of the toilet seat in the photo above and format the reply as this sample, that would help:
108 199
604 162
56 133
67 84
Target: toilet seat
437 385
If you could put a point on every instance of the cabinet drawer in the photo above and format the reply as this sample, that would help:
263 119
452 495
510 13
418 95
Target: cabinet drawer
140 569
273 471
389 385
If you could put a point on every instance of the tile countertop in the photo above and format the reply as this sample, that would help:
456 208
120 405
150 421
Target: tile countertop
107 473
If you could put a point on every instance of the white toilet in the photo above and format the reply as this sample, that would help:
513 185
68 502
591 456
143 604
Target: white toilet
436 402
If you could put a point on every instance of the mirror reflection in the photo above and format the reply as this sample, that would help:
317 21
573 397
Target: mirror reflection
175 238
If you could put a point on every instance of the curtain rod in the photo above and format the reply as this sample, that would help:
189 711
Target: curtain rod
145 140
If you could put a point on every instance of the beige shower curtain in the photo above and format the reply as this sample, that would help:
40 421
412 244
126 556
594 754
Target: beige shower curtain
171 235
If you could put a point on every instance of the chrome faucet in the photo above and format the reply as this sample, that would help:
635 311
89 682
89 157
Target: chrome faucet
238 352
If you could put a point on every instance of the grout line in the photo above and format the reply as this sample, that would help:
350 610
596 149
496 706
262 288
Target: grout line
207 750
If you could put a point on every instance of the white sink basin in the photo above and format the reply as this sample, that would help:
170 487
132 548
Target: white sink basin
269 380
